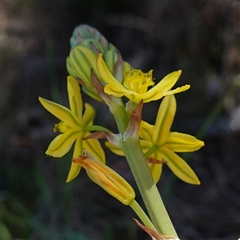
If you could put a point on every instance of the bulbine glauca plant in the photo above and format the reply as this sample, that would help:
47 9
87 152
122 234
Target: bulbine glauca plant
96 67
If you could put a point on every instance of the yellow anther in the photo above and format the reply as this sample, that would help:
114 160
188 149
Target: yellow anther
61 127
138 81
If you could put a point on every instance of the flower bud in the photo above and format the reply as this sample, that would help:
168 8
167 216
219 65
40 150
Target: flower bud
114 61
93 45
80 62
85 32
108 179
87 43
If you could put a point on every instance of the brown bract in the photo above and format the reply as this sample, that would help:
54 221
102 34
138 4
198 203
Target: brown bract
153 234
156 161
134 122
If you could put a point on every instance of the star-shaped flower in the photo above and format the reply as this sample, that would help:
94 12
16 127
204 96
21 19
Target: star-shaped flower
136 83
160 143
73 127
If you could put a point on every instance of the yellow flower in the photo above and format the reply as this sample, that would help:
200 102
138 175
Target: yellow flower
108 179
135 84
73 127
160 143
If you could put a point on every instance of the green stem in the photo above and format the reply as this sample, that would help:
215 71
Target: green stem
121 118
96 128
150 151
141 214
147 187
142 175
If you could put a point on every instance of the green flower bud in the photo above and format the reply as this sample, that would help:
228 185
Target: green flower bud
80 62
87 43
85 32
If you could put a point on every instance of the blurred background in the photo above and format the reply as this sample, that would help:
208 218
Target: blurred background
199 37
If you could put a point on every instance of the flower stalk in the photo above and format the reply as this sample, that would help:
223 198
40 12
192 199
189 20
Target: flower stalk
141 214
142 174
148 190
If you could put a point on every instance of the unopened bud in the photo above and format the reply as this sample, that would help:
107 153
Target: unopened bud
87 43
85 32
108 179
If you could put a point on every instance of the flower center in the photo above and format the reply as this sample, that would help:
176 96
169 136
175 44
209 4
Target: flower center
138 81
61 127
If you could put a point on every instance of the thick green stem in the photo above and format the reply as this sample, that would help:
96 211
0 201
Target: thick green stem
147 187
121 118
141 214
142 175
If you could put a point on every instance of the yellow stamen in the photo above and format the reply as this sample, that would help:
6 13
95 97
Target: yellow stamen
61 127
138 81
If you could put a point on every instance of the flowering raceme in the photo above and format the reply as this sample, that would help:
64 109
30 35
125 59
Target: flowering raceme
98 67
73 127
135 84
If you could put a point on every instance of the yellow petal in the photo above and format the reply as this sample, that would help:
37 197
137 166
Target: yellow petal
115 149
179 167
73 172
78 148
95 149
163 86
116 91
126 67
176 90
156 170
89 114
146 131
61 112
145 145
75 168
180 142
168 81
152 95
105 73
74 96
62 143
113 87
165 116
